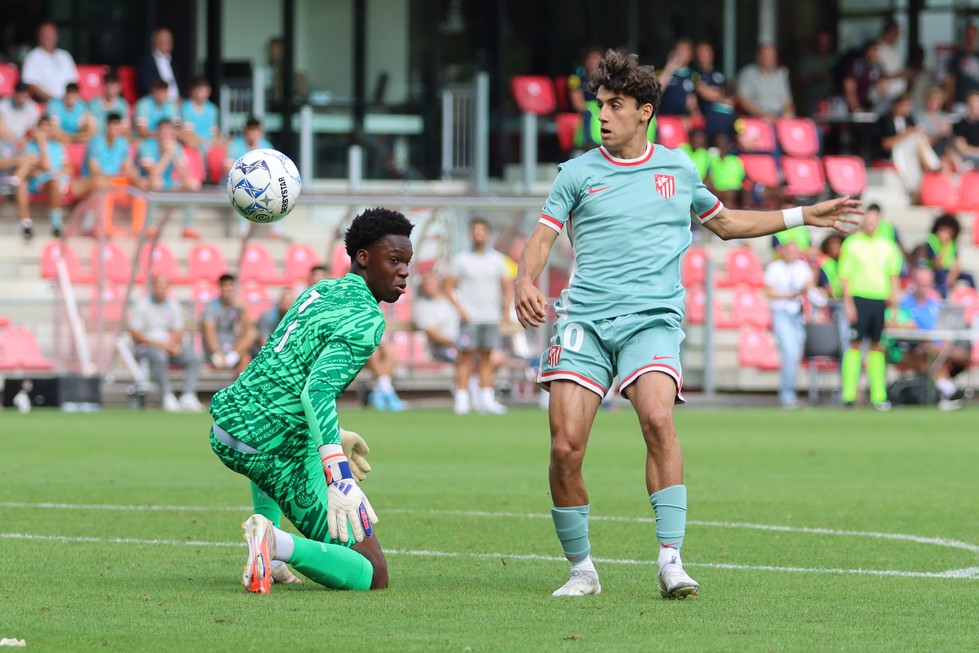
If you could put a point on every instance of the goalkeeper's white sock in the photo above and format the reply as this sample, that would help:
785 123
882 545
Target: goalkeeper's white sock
284 546
384 385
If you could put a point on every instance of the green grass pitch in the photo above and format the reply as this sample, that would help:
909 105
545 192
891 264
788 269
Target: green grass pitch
809 531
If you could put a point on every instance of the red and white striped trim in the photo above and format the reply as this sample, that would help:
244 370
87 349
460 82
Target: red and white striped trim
714 210
551 222
544 380
656 367
646 156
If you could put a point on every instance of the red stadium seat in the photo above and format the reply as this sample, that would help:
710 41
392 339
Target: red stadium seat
4 321
846 174
19 350
722 318
164 262
116 266
204 292
967 297
671 132
9 76
300 259
195 163
215 165
938 191
750 308
112 305
90 80
969 191
206 262
257 264
696 304
743 267
534 94
257 301
761 169
561 94
567 125
797 136
803 176
692 269
49 255
757 349
757 135
76 154
127 80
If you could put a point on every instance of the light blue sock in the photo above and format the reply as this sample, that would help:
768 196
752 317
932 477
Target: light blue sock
670 506
571 525
55 215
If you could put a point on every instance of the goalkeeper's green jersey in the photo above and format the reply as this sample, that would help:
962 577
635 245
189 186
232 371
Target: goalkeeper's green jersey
291 387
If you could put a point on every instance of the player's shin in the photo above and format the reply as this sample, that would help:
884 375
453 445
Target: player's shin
670 506
266 506
571 525
331 565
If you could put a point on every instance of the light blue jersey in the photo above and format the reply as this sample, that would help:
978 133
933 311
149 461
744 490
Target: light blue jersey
149 113
70 121
99 109
149 154
202 120
238 147
110 158
629 222
56 153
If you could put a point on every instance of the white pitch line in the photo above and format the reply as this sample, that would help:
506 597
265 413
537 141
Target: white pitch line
903 537
971 573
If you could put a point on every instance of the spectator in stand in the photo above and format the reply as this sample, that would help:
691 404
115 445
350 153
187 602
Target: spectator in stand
153 108
716 102
863 80
763 87
46 169
433 313
479 287
937 126
679 86
111 101
157 329
829 276
869 271
199 117
317 273
108 156
941 252
787 281
921 78
271 318
9 161
162 162
906 145
157 65
274 74
252 138
816 72
726 171
583 101
967 132
697 150
19 114
226 328
895 76
963 71
47 70
70 118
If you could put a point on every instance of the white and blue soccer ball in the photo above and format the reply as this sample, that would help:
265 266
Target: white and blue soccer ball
264 185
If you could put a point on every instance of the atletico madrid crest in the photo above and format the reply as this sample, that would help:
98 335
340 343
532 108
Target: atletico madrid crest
665 185
554 356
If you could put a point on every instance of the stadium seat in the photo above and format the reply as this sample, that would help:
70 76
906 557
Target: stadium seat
561 95
112 305
757 135
164 262
204 292
567 125
969 191
9 76
797 136
696 304
803 176
534 94
49 255
116 266
19 350
847 174
4 321
90 80
257 301
722 318
215 165
761 169
967 297
743 267
671 132
938 191
127 82
76 154
692 269
299 260
975 229
195 163
205 263
757 349
750 308
257 264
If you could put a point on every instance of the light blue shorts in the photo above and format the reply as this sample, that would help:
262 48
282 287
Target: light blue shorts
592 354
36 184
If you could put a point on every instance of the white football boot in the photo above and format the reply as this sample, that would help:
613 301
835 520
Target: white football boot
582 582
674 582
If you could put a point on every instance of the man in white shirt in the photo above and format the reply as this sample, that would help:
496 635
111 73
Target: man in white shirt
48 69
787 280
763 87
158 64
19 114
892 64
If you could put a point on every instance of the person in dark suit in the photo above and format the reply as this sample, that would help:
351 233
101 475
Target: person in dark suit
157 64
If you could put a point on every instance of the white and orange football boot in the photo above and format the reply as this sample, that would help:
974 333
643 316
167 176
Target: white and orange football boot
260 538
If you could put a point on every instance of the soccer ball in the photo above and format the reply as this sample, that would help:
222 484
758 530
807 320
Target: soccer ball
264 185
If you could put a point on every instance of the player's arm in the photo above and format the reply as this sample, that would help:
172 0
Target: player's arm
529 301
835 213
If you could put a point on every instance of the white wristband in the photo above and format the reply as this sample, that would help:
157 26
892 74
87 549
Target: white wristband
792 217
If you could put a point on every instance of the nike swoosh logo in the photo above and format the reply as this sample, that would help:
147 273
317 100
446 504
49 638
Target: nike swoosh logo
592 191
661 358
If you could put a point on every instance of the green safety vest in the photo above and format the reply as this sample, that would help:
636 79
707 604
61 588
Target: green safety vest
830 266
886 229
798 235
944 254
701 159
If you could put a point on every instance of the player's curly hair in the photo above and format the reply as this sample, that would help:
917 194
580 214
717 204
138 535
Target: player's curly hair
372 225
948 221
622 73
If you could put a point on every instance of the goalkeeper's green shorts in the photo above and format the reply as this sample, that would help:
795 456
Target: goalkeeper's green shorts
292 476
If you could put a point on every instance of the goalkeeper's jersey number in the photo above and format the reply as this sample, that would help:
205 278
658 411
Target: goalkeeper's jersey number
313 296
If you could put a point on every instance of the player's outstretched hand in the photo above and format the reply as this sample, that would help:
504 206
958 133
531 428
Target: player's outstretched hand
355 448
836 213
349 503
530 303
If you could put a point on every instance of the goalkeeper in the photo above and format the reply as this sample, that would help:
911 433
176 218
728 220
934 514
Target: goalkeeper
277 423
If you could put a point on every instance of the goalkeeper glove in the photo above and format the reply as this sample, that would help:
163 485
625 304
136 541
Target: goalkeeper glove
355 448
347 501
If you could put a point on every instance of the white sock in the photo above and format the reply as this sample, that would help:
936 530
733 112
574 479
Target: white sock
231 359
384 385
284 546
585 565
489 395
945 387
668 554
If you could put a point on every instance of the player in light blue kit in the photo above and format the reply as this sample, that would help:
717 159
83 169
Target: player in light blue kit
627 208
